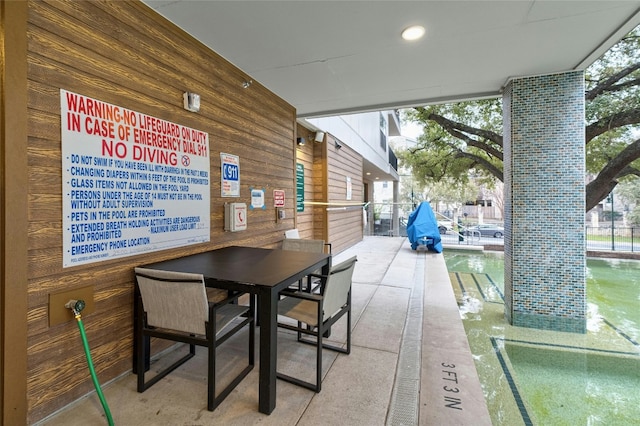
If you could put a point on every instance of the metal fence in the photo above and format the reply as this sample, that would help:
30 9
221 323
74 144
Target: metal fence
385 223
614 239
618 238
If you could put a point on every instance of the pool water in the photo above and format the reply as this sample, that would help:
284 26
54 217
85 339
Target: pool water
613 293
540 377
608 384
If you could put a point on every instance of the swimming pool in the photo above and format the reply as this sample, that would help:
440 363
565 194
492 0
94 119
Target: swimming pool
540 377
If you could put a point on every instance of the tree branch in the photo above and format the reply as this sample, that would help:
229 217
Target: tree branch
628 171
449 124
604 183
456 130
608 84
476 143
484 163
614 121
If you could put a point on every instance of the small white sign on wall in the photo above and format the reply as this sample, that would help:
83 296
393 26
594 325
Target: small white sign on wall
230 175
349 188
257 199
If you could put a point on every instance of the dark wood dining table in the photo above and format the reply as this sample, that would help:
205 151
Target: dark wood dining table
262 272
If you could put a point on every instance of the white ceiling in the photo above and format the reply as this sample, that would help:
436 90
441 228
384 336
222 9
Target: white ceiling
332 57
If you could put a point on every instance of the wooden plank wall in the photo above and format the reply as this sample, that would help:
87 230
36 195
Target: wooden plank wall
306 155
326 170
320 185
13 221
125 54
344 227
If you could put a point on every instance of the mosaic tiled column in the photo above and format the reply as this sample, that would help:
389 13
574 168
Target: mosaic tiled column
544 169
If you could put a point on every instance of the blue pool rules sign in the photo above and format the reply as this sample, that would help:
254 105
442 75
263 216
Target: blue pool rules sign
229 175
131 183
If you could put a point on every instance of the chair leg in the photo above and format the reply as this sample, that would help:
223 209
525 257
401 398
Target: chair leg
252 331
211 376
349 329
326 328
144 385
141 355
214 401
319 359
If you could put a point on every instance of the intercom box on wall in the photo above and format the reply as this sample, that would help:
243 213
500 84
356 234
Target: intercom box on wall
235 217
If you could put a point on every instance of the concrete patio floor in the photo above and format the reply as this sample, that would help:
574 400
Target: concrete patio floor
410 362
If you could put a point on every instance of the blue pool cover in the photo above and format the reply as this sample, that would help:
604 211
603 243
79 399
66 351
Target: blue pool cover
422 228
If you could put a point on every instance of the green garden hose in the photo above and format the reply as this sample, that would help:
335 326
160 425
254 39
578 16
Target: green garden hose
76 306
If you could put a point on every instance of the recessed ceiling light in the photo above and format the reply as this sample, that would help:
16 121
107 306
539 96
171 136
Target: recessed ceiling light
414 32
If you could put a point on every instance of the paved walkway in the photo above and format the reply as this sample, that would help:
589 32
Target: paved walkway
410 362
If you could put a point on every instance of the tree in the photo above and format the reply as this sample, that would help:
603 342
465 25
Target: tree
629 192
468 135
